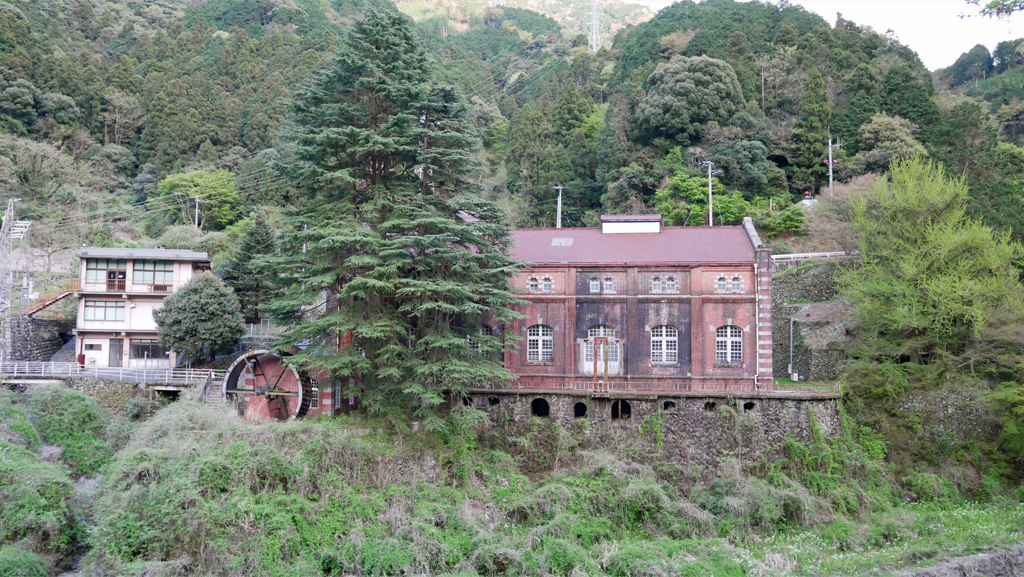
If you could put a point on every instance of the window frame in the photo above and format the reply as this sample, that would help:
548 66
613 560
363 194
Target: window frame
728 345
721 284
608 284
737 284
540 345
664 345
105 306
92 265
533 284
547 284
671 284
143 349
314 398
595 285
141 270
656 285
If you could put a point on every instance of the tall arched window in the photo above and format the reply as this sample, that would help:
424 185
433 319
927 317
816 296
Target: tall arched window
656 286
670 285
664 344
614 351
539 344
720 285
729 345
547 285
595 285
737 284
534 284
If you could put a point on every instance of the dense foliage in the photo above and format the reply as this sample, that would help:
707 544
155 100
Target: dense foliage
411 259
201 319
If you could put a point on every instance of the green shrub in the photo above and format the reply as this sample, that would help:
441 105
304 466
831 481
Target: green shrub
930 488
17 563
37 498
12 416
74 422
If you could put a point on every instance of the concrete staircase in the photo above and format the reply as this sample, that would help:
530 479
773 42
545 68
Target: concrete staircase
211 395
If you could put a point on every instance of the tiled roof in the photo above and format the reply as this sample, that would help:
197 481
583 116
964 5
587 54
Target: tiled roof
678 245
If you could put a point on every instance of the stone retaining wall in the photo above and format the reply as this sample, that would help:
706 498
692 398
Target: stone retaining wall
695 431
111 395
28 339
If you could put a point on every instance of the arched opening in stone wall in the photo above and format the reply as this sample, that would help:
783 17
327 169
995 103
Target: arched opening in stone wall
540 408
710 406
749 406
493 401
465 401
621 410
668 406
579 410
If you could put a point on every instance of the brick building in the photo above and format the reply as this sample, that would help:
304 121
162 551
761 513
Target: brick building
636 307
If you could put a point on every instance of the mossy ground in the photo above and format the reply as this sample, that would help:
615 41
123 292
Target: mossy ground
198 491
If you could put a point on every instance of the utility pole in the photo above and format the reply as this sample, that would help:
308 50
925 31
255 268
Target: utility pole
711 211
558 217
595 28
10 229
830 163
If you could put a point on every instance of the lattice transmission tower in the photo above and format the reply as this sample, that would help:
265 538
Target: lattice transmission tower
10 229
595 27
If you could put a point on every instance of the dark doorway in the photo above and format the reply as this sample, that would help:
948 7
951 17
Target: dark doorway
621 410
669 406
749 406
493 401
709 406
169 396
540 408
579 410
116 353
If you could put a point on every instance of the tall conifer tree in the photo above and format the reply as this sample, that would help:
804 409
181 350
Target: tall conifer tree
810 135
395 248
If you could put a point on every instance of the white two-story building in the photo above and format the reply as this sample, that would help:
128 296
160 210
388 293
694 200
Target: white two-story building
118 290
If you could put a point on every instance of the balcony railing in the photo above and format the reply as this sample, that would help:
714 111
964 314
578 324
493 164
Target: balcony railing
184 377
122 286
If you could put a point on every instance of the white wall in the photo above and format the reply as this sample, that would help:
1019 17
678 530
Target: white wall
142 315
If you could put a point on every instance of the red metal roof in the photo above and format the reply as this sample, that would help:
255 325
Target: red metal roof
676 244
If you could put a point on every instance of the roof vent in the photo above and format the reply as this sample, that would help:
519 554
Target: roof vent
630 223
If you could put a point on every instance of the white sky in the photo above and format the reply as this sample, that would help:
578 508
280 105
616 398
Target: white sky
932 28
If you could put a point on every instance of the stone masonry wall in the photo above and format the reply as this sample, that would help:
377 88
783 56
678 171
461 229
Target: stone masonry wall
807 293
27 339
111 395
697 431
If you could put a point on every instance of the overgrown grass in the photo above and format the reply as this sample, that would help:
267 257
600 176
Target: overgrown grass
198 491
19 563
36 498
76 423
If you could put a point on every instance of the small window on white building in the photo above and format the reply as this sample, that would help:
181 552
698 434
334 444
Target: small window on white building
737 284
720 285
539 344
534 284
656 286
609 284
664 344
547 284
595 285
728 345
670 285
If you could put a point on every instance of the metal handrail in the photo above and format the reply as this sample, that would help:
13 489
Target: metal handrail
814 256
65 370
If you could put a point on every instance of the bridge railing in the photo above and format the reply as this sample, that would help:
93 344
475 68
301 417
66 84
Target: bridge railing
185 377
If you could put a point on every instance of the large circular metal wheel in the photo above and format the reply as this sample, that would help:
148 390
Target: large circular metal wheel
264 386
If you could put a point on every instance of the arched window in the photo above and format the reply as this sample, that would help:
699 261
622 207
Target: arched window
728 344
737 284
670 285
539 344
613 347
595 285
547 285
664 344
609 284
720 285
534 284
474 344
656 285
